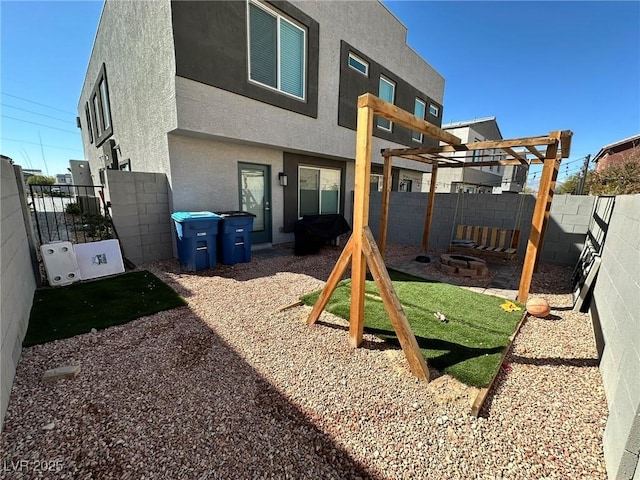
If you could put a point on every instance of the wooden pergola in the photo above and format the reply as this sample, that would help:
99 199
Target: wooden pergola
361 250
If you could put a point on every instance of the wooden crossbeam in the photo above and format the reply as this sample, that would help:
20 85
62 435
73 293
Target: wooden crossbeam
513 153
498 144
535 151
487 164
395 114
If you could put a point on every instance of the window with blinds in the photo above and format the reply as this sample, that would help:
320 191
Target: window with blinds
277 51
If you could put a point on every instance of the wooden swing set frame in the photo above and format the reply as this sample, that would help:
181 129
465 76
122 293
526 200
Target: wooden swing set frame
361 249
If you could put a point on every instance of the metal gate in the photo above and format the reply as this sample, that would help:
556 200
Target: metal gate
73 213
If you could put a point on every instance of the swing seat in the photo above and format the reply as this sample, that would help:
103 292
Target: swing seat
491 241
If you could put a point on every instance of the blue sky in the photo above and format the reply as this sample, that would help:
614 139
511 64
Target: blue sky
536 66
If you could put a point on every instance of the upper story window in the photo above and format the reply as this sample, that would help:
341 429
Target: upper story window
419 111
104 97
100 109
387 92
434 110
277 51
478 154
358 64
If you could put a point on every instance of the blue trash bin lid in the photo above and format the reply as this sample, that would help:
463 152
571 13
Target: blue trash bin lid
235 213
189 216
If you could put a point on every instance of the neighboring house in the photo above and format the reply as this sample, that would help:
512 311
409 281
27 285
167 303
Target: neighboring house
251 105
486 179
63 179
26 172
617 152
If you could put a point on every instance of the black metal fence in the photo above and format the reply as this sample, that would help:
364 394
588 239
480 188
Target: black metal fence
74 213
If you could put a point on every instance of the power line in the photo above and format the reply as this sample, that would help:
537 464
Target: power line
39 124
41 114
37 103
34 143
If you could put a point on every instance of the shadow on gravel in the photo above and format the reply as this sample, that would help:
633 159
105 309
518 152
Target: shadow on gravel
171 400
556 361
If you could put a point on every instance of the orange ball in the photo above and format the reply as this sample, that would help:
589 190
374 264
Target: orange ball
538 307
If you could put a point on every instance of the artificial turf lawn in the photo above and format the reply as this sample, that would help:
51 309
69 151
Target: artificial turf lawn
75 309
469 347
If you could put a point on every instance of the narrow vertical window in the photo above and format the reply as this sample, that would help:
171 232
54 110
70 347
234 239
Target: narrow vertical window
419 111
97 116
89 126
386 91
106 112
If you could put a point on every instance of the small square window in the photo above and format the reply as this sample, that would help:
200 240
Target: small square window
434 110
358 64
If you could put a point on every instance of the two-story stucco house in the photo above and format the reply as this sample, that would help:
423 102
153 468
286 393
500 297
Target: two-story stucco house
484 179
251 104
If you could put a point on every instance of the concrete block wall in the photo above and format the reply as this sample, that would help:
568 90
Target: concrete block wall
18 282
564 240
140 211
567 229
616 305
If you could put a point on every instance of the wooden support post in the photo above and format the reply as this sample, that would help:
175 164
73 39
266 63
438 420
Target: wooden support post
384 211
408 342
362 185
332 282
432 197
535 237
547 213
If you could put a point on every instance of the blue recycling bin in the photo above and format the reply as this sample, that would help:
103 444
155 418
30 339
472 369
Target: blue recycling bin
234 239
197 239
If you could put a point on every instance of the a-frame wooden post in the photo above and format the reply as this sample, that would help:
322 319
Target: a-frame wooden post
360 220
545 191
432 197
361 249
384 210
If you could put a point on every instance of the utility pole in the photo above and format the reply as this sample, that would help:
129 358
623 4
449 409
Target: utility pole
583 177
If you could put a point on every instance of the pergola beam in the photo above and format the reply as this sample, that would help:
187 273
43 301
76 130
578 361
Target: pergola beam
489 164
498 144
513 153
397 115
535 151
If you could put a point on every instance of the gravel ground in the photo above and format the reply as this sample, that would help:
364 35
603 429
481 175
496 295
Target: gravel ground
228 387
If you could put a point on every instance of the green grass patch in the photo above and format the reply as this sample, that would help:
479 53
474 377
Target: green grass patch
75 309
469 347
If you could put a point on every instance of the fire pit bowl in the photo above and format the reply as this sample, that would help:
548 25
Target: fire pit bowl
463 265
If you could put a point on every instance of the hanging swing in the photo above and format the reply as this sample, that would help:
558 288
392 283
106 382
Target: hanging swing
493 241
